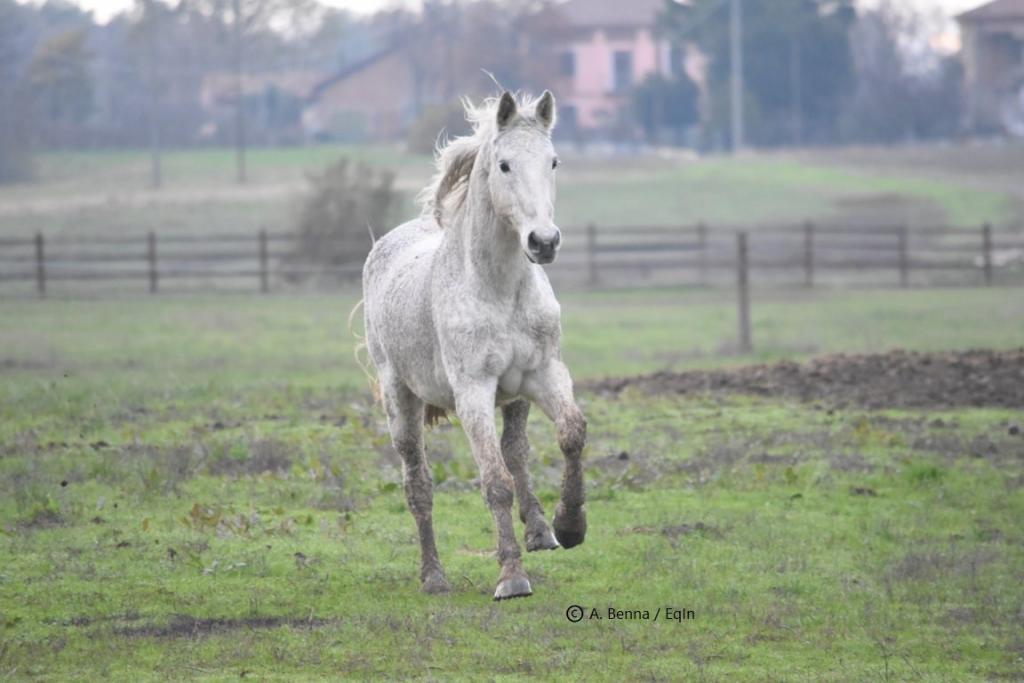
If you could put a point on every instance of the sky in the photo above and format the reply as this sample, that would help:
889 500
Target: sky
104 9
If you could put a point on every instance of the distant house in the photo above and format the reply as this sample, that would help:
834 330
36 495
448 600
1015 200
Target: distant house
372 99
602 48
273 104
993 58
610 46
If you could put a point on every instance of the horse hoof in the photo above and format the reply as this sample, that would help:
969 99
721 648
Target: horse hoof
436 584
570 530
542 541
514 587
569 539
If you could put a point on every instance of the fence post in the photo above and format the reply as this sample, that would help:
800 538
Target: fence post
743 291
809 254
40 265
986 252
264 259
702 245
591 254
151 257
904 257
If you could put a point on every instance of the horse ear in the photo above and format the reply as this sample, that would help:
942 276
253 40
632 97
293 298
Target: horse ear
506 109
546 109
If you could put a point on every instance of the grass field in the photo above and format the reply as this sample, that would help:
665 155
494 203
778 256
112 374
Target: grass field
201 487
107 192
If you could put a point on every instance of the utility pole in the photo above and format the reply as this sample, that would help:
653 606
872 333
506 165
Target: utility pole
736 69
236 6
796 90
155 142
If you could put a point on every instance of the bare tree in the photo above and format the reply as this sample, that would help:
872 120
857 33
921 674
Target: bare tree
15 153
241 22
149 31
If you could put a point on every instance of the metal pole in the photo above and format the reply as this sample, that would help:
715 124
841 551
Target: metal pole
743 292
40 265
796 90
155 104
736 72
236 7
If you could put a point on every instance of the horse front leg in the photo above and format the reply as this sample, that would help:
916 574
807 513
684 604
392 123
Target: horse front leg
475 408
551 389
515 448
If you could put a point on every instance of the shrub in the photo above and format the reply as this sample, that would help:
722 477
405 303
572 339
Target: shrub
343 203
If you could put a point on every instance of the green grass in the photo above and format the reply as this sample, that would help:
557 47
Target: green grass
124 171
773 191
107 192
231 507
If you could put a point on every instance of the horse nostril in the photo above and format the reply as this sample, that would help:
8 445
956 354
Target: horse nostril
532 242
557 238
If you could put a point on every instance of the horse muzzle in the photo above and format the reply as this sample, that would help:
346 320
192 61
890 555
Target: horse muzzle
542 245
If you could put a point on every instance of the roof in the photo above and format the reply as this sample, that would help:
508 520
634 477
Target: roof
350 70
997 10
625 13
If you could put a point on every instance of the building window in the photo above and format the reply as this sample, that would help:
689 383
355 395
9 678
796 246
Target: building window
567 64
623 72
677 61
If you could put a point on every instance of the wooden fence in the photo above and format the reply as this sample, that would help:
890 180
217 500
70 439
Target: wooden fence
807 255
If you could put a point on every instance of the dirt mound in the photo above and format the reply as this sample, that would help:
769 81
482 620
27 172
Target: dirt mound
899 379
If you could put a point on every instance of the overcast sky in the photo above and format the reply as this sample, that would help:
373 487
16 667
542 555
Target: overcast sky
104 9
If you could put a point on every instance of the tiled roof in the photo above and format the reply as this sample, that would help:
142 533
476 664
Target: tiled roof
612 12
350 70
997 10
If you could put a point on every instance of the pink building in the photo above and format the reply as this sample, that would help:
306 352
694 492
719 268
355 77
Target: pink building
610 46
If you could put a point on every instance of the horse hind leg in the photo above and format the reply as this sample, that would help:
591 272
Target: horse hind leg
405 421
515 449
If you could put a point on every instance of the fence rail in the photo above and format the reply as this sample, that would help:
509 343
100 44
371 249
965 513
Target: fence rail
808 255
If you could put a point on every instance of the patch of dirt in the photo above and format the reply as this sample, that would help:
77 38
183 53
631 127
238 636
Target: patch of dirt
265 455
186 626
43 518
931 565
898 379
26 364
884 209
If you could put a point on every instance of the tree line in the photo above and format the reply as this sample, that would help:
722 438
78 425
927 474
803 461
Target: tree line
816 72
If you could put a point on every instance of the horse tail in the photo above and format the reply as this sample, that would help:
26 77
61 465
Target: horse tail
432 415
361 348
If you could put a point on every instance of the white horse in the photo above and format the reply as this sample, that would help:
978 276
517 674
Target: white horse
460 316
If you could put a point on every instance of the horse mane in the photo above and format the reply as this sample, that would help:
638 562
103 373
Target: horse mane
455 158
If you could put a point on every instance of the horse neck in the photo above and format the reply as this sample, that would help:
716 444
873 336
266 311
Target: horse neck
487 251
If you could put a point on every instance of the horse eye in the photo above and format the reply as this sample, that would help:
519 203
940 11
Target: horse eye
555 162
504 167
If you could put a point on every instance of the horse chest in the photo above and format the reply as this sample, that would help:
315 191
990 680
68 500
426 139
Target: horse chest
530 343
